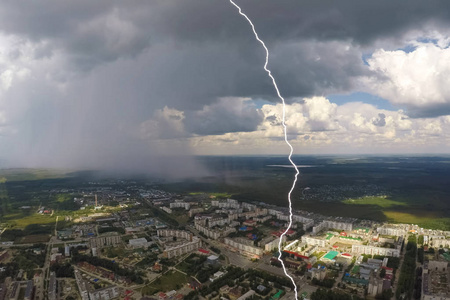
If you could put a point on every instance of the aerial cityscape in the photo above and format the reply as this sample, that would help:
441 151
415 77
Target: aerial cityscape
224 149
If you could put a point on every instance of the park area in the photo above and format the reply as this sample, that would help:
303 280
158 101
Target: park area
172 280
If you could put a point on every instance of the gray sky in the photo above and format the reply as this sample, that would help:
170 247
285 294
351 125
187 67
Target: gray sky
113 84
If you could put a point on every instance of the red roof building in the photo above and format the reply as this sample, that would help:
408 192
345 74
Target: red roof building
162 296
249 222
279 233
296 254
203 251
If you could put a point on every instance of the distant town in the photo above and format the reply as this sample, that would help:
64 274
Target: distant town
127 241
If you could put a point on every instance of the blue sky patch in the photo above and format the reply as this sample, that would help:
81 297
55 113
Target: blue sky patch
376 101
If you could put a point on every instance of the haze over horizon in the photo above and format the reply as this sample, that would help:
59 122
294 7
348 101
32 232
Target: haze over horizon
109 85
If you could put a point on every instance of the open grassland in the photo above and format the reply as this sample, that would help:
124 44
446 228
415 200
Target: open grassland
20 220
423 219
381 201
220 195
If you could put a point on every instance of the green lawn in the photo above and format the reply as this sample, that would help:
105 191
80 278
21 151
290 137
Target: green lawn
172 280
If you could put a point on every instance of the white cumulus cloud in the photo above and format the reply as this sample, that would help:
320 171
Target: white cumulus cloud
418 80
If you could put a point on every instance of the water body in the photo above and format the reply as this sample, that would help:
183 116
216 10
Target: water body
298 166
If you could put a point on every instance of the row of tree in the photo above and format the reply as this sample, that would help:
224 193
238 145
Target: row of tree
232 274
120 230
325 294
327 282
12 234
407 272
65 270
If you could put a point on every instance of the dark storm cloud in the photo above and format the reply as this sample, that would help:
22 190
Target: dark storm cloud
429 111
284 20
219 41
227 115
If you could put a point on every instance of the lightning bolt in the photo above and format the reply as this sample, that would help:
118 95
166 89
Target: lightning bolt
291 149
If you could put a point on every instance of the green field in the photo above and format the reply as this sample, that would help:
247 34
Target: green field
220 195
381 201
423 219
21 220
172 280
30 174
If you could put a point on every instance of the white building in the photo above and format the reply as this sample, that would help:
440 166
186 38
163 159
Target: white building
192 242
243 246
82 285
273 212
392 230
230 203
215 233
178 250
106 293
371 250
283 217
102 241
180 204
248 206
307 222
176 233
314 241
436 241
334 224
166 209
138 243
375 286
271 243
218 222
319 227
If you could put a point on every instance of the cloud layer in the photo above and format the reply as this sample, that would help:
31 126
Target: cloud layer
107 84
